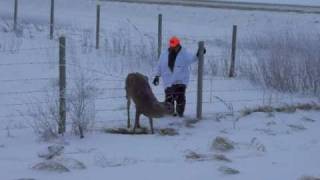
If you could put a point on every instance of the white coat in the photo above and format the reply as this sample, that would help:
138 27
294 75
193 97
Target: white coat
181 71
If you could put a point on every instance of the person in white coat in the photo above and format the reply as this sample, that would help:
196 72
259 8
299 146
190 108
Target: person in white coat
174 68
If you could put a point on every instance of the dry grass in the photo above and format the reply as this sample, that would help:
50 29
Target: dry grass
195 156
285 61
286 108
222 144
309 178
228 170
143 130
221 157
125 131
168 132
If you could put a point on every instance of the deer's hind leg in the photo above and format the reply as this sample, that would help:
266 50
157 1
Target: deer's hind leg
137 121
151 125
128 111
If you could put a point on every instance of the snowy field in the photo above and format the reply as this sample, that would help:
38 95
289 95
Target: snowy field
266 145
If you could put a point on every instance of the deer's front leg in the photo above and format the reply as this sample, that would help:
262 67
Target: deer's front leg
128 112
137 121
151 125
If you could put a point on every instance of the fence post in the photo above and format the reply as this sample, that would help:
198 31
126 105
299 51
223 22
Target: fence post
211 88
200 80
98 25
52 19
159 34
233 51
15 16
62 85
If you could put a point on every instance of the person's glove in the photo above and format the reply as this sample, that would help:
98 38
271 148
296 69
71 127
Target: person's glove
204 52
156 81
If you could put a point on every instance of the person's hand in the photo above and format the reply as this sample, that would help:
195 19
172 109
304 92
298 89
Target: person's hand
204 52
156 81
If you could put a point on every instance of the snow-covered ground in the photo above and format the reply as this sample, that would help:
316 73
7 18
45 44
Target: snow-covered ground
267 147
28 63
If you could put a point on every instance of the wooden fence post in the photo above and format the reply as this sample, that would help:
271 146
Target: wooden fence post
200 80
159 34
62 85
98 25
233 51
51 19
15 16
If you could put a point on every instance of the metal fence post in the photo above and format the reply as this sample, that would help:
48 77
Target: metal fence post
15 16
62 85
233 51
159 34
98 25
51 19
200 80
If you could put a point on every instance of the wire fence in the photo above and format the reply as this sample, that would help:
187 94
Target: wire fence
114 78
213 94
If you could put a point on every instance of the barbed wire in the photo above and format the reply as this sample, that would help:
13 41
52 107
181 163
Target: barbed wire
112 97
120 78
28 49
11 116
24 104
28 63
113 89
23 92
27 79
119 109
233 90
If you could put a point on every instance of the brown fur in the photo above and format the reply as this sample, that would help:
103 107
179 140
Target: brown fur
139 90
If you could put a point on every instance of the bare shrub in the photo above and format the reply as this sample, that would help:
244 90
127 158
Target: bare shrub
82 105
45 115
287 62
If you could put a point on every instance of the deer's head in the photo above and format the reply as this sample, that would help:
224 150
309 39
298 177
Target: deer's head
167 108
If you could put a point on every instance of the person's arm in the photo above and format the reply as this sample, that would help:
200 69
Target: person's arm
191 58
157 73
158 69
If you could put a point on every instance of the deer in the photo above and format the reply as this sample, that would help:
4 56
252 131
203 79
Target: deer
138 89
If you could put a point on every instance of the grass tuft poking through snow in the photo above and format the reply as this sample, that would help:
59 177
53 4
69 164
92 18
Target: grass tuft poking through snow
222 144
309 178
228 170
286 108
221 157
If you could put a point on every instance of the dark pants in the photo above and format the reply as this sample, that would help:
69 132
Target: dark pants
177 93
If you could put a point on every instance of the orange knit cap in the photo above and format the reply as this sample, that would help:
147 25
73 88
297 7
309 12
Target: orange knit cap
174 41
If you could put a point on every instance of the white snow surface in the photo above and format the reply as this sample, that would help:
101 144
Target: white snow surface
290 152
